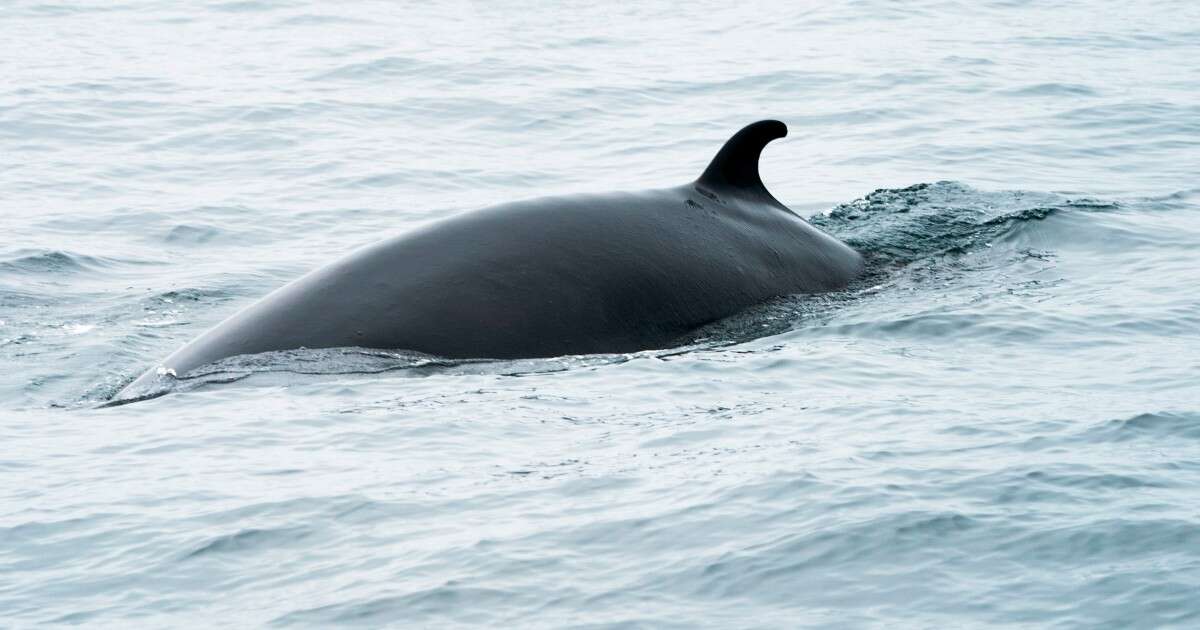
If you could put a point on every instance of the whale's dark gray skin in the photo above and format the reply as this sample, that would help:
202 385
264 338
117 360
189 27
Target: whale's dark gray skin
599 273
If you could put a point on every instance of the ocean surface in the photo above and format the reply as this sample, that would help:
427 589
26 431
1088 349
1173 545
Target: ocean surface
1000 426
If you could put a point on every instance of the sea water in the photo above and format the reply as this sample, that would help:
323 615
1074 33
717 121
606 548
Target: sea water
999 426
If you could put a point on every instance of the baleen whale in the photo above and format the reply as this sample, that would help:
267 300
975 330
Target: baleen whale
582 274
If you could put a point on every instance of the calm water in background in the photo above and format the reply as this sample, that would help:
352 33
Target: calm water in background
1001 427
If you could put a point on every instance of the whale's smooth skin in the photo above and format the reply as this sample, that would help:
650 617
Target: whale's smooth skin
583 274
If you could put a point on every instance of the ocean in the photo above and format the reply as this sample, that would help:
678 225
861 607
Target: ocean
999 426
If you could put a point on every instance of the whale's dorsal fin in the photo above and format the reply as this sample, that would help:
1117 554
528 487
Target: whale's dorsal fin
736 164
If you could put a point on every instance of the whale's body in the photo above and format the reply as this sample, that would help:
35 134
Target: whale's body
553 276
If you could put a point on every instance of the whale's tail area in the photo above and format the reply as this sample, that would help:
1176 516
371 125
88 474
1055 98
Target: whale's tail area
736 164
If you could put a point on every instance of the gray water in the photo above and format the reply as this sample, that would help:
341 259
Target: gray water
1000 426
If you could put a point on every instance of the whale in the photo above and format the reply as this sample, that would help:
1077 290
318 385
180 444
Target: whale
561 275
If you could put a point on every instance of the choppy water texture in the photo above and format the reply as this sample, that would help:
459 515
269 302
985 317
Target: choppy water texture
1002 426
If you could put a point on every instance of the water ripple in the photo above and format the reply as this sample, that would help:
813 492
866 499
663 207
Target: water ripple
997 426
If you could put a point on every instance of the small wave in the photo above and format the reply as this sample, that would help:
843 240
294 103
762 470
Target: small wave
1021 216
438 603
247 140
269 113
185 234
1092 481
386 67
904 225
1179 195
770 318
189 294
1150 119
1115 540
45 530
1053 89
56 262
47 9
1152 426
249 6
250 540
941 325
968 61
791 561
1092 205
23 299
589 41
313 19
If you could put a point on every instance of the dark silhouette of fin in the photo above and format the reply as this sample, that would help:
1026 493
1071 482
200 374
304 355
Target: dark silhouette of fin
736 164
